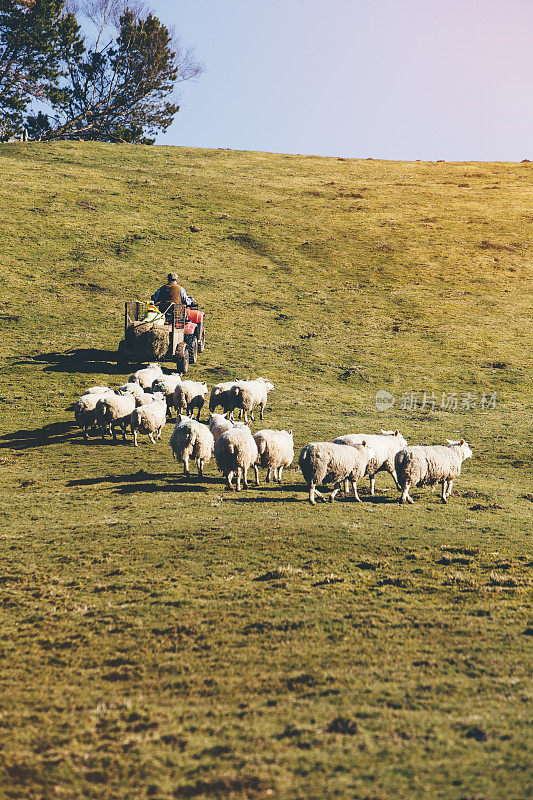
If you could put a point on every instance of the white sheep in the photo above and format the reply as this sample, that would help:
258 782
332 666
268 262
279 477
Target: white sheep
189 395
150 418
146 375
141 397
115 409
427 465
97 390
275 451
235 453
167 384
191 439
85 408
219 424
324 462
385 447
220 395
247 395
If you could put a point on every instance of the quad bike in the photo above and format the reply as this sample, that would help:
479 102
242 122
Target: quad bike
176 334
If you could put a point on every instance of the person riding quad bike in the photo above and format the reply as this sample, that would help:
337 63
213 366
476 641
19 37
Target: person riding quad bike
171 292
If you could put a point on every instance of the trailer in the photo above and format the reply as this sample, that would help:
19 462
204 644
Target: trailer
176 334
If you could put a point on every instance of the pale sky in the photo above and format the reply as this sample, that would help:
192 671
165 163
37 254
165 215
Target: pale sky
394 79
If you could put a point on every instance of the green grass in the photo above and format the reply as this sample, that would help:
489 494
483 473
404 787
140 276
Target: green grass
154 641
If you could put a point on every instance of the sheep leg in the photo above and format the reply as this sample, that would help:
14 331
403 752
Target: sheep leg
229 478
256 470
198 409
269 475
151 437
200 465
314 491
334 493
135 437
449 490
279 474
395 476
245 416
124 430
444 484
238 482
261 410
372 485
245 471
354 487
252 415
186 464
405 494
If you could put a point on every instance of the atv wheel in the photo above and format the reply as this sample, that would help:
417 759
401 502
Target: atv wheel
182 357
192 346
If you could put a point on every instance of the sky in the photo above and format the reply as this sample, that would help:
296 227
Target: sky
392 79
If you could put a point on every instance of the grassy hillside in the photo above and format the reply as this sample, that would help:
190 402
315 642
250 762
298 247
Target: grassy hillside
164 638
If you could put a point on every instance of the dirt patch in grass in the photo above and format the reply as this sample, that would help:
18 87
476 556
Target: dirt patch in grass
476 733
343 725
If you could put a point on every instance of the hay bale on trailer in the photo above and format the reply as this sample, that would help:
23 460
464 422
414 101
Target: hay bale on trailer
148 340
175 334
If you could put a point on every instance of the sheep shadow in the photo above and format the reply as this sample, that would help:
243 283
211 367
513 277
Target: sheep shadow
87 360
262 499
279 487
145 482
140 488
55 433
366 497
130 477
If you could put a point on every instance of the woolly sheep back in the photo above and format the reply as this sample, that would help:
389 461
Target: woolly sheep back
326 462
385 446
275 451
191 439
189 395
219 424
167 385
426 465
146 375
247 395
85 408
115 409
220 395
235 453
150 419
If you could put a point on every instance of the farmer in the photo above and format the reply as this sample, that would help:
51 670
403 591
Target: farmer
171 292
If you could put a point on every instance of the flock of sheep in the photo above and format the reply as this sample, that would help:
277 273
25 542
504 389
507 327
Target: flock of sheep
144 401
